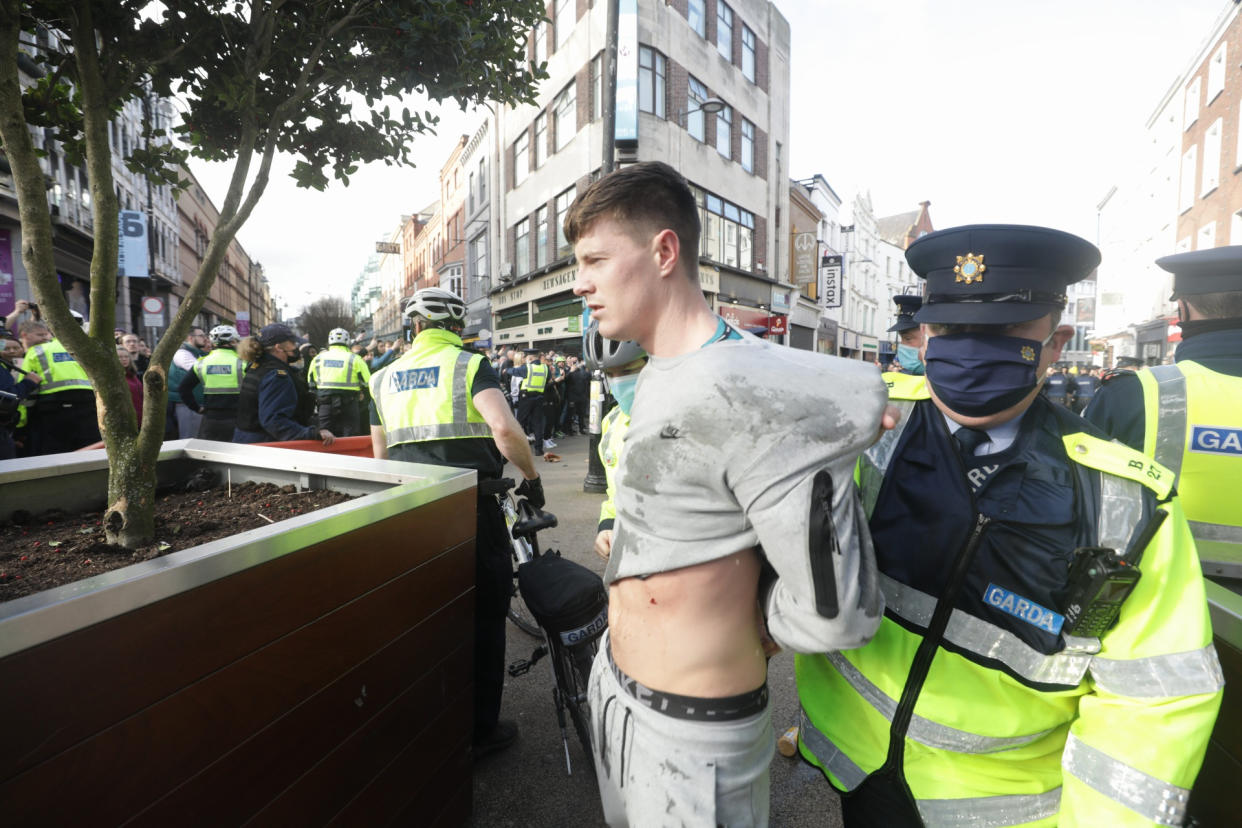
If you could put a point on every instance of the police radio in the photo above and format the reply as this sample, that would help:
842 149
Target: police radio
1100 581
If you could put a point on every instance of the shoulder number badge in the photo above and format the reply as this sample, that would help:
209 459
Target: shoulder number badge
969 268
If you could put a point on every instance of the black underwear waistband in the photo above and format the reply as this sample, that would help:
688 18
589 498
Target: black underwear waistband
694 708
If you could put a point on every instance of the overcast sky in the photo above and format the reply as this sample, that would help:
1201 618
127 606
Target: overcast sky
993 110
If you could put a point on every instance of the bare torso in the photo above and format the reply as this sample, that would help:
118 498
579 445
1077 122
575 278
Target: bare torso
691 631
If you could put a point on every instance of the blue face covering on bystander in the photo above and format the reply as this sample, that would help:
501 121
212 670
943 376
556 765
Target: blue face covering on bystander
908 359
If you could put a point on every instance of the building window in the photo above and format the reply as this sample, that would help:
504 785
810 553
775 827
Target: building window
521 158
564 21
521 246
1192 103
728 231
748 53
696 16
565 110
470 192
1235 228
541 43
452 281
597 87
1216 74
563 202
696 94
541 236
748 146
1183 245
724 30
1211 157
724 132
541 139
482 181
652 69
1187 197
1207 236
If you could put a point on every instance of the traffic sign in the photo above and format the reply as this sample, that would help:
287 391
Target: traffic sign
152 312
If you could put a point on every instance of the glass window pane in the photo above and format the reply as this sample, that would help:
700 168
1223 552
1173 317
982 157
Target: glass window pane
697 17
731 212
714 233
748 54
724 30
541 139
714 204
724 132
541 236
566 106
661 72
745 252
695 122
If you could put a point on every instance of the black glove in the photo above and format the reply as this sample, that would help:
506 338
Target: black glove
532 490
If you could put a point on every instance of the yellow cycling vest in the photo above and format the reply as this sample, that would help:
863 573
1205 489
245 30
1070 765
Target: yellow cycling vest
339 369
612 436
60 371
536 378
220 372
425 394
1194 428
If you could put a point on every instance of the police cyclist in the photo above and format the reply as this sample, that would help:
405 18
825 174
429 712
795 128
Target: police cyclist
220 373
267 407
438 403
338 378
62 412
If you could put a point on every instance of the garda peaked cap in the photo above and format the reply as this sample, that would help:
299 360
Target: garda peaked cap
998 274
1216 270
907 306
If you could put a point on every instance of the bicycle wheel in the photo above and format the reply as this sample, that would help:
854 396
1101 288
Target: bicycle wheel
573 671
521 617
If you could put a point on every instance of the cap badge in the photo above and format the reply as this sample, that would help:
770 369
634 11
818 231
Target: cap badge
1028 353
970 268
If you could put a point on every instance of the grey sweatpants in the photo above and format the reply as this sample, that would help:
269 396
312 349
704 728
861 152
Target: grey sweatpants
655 770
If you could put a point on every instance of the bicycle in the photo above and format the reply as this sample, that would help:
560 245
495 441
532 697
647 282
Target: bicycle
570 605
522 552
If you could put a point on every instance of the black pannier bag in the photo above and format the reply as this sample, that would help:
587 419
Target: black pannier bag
567 599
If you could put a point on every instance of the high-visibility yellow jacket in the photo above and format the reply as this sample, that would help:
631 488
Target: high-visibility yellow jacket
1074 731
1194 429
220 372
60 371
425 394
338 370
611 439
536 379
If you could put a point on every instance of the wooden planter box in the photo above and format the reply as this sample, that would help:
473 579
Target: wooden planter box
311 672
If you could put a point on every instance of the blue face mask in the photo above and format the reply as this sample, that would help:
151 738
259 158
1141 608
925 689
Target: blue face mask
978 374
623 389
908 359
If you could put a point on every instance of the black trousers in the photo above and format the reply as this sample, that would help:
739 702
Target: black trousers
217 424
65 424
493 581
338 413
530 414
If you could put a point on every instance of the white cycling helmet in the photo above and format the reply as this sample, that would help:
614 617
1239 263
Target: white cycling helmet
222 335
437 305
602 354
338 336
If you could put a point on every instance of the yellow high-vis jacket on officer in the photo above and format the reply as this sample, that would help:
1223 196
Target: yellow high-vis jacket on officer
536 379
60 371
220 372
425 394
338 370
612 436
1002 718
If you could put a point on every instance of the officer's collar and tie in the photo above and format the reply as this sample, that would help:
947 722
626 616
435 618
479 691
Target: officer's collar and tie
977 442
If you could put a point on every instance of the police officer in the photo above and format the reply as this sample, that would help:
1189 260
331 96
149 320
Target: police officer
267 406
909 332
440 404
338 379
12 392
996 692
530 408
1085 385
1057 386
62 415
220 373
1188 415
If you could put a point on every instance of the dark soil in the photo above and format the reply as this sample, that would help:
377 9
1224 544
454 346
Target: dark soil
38 552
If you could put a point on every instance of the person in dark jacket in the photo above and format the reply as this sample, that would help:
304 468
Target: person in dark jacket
12 392
268 402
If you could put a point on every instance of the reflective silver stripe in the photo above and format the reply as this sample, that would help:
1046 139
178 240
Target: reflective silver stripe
1149 797
41 355
1067 667
1121 510
1216 532
925 731
876 459
990 811
461 394
1171 410
440 431
829 755
70 383
1164 676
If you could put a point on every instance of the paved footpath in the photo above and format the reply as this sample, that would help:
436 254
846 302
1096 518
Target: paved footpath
526 786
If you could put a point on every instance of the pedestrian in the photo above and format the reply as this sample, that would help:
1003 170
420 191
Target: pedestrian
267 405
998 690
1188 415
577 391
1057 386
183 421
62 410
532 383
132 380
15 386
339 381
220 373
1085 385
140 361
443 405
721 457
910 333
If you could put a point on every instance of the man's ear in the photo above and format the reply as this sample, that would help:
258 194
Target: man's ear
666 249
1060 338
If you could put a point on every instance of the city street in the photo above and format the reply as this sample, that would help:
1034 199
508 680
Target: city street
526 785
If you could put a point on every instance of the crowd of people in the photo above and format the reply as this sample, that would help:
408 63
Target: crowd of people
547 390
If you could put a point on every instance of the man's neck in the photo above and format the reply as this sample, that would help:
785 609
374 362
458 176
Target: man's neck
683 326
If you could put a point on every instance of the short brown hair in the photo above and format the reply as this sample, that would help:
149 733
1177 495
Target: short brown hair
1225 305
647 197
